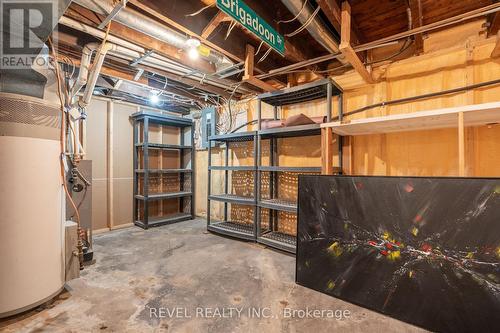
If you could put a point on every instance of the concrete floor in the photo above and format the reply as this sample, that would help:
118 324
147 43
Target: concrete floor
139 273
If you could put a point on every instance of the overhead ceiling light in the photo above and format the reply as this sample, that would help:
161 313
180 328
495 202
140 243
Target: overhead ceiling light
192 43
193 53
154 99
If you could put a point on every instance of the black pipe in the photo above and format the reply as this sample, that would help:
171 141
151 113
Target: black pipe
413 98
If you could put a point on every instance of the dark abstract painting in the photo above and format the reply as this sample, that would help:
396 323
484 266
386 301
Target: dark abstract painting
422 250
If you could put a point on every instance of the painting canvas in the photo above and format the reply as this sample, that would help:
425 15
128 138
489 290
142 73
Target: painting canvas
421 250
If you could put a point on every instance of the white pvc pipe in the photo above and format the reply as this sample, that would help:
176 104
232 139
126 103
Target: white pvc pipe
96 69
87 51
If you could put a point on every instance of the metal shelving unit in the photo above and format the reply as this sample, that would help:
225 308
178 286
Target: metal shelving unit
227 227
147 197
312 91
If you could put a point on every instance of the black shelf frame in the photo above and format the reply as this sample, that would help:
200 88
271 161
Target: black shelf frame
278 240
227 227
273 168
162 146
279 205
233 168
322 89
184 124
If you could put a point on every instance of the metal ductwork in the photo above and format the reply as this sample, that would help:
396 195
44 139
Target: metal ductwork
129 51
316 28
150 27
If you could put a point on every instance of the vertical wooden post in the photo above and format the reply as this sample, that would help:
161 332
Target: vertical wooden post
461 145
109 156
470 133
326 151
345 44
345 27
348 156
249 60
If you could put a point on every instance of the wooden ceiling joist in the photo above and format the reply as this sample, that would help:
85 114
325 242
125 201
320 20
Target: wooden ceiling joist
334 14
346 47
213 24
249 68
86 16
417 22
118 74
494 24
183 29
496 50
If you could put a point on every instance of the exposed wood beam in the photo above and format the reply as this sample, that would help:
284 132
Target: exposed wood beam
461 145
326 151
496 51
259 83
88 17
67 39
494 23
105 70
188 81
249 60
417 22
214 23
128 77
345 45
185 30
249 68
333 13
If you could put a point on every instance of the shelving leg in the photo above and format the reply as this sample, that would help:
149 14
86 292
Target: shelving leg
258 164
255 192
135 167
181 166
145 137
226 178
209 180
193 166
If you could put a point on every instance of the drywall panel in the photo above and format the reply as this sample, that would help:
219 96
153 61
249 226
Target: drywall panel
96 137
122 201
99 203
121 183
201 174
96 150
122 141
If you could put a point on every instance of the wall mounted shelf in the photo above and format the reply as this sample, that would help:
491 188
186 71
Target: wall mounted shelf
474 115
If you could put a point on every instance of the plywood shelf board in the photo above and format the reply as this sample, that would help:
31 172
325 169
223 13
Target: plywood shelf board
474 115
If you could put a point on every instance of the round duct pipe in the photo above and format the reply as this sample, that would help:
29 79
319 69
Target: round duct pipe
149 27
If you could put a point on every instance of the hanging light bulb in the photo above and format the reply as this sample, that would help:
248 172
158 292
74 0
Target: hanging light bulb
193 53
154 99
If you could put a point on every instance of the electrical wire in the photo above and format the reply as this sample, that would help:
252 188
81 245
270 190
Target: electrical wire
405 47
264 56
424 96
258 49
200 11
231 27
306 23
62 132
296 16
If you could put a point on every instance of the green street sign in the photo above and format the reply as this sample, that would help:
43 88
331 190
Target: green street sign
244 15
